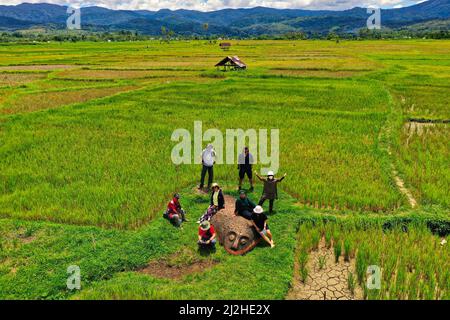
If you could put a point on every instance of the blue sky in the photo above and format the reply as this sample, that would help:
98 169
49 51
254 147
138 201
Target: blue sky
209 5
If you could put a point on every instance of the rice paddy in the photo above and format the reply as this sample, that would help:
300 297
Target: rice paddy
85 167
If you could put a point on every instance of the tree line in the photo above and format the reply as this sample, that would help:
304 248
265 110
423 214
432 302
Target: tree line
168 35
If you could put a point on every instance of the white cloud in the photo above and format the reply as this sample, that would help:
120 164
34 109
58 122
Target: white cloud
209 5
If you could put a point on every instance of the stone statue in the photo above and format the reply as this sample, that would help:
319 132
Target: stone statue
235 233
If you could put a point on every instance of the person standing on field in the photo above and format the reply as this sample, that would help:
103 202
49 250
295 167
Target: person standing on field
270 191
208 160
245 162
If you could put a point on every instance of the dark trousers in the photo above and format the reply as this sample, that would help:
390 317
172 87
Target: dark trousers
210 176
246 214
261 202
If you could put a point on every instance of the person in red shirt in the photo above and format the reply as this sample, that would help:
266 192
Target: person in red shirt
174 212
206 235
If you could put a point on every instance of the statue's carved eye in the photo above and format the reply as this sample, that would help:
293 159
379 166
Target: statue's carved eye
232 236
243 241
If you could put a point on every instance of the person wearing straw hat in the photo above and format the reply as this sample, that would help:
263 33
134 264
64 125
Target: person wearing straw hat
259 220
270 191
217 199
206 235
217 202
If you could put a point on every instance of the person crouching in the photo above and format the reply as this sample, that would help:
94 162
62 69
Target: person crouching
175 213
206 235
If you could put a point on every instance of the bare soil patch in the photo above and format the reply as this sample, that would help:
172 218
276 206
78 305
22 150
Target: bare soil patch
328 283
177 266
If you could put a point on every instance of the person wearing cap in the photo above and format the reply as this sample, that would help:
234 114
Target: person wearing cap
206 234
175 212
245 162
217 202
270 191
244 206
259 220
208 160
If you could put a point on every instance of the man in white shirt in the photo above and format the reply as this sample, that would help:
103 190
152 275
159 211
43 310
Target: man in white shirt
208 159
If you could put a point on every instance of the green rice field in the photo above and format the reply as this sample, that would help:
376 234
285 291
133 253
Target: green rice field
86 170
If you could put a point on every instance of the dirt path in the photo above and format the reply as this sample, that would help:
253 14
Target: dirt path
405 191
328 283
401 184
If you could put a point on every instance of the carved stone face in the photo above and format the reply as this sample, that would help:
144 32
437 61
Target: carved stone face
237 241
236 234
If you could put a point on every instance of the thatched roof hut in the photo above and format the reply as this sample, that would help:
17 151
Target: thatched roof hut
231 63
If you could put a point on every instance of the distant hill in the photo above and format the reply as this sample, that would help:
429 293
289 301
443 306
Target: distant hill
228 22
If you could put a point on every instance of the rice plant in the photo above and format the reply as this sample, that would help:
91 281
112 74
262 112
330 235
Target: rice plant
337 251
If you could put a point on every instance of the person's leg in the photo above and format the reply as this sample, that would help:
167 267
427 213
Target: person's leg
264 236
202 178
210 176
246 214
271 205
269 234
250 178
183 215
261 201
206 215
175 219
241 178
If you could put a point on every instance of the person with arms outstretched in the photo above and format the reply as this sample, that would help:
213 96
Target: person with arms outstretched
270 191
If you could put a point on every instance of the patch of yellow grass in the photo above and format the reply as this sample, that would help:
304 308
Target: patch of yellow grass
53 99
315 73
49 67
119 74
15 79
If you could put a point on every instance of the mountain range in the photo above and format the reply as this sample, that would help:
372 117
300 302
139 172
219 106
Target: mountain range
227 22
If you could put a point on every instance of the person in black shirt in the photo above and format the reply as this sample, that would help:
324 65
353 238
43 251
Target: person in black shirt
244 206
259 220
245 162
